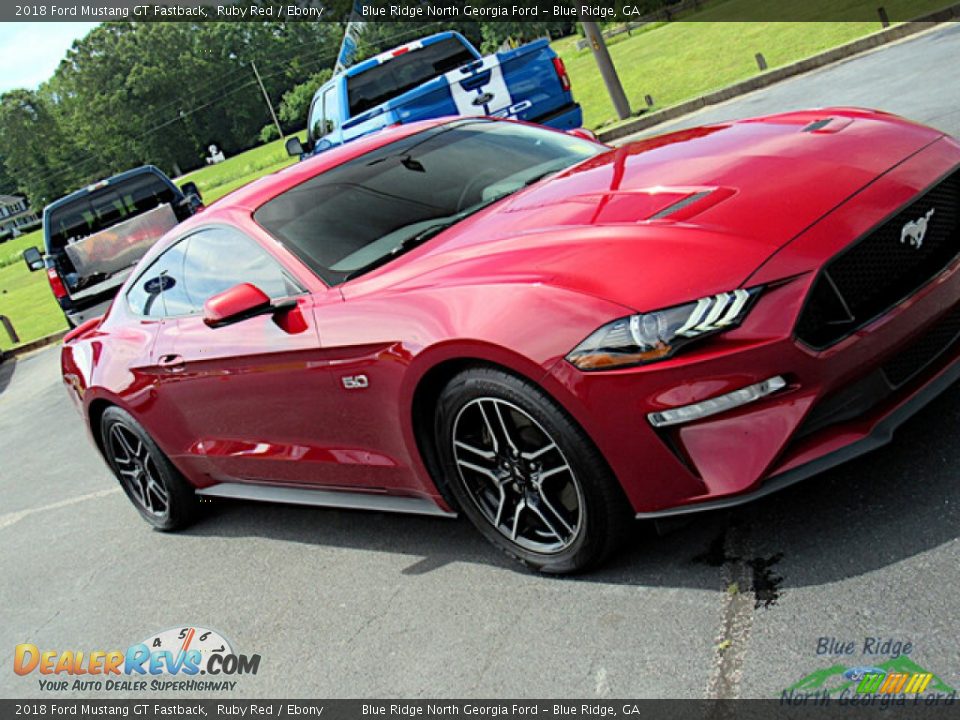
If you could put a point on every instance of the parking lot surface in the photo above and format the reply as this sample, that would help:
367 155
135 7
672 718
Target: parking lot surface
354 604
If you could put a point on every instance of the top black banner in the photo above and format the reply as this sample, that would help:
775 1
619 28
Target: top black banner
636 13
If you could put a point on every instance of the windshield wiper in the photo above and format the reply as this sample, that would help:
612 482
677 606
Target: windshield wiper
402 247
428 232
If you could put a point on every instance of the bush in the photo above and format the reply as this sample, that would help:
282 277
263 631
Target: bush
268 133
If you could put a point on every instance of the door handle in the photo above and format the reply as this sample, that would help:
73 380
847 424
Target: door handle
172 362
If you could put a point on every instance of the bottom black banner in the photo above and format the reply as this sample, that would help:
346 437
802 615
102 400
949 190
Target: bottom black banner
859 706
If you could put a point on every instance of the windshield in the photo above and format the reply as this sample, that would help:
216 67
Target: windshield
404 72
359 214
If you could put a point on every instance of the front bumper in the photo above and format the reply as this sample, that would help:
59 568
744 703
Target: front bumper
833 408
878 436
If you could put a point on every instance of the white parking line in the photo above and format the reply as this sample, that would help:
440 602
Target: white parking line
11 518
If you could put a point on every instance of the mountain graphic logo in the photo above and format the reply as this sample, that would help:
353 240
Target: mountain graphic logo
897 675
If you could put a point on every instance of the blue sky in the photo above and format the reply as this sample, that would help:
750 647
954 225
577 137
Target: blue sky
30 52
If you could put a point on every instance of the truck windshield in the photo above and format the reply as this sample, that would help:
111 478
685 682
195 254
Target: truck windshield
404 72
105 207
351 218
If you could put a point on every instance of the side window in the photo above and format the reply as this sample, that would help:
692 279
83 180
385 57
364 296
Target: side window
330 122
219 258
315 118
161 291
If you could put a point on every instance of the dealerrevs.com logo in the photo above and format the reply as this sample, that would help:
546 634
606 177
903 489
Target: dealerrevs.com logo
166 661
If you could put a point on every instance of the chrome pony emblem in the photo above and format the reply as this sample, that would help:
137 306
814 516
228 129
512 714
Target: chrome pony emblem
915 230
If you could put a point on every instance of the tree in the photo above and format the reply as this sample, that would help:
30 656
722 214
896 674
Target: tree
36 150
296 101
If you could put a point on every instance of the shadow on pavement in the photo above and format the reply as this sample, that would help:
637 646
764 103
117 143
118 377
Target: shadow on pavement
7 366
900 501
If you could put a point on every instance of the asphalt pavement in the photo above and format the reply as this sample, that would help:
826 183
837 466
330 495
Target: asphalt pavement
356 604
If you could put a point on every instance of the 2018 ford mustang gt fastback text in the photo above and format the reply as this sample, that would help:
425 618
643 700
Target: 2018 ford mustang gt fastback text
545 334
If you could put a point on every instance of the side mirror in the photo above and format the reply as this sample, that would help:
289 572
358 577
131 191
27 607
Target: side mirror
294 147
583 134
33 259
238 303
192 195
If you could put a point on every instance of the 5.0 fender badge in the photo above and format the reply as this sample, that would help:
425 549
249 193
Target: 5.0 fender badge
355 382
915 230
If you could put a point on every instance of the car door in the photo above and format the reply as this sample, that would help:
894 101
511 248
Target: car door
252 395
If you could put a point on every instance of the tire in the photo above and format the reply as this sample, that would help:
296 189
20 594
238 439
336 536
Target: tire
143 471
493 434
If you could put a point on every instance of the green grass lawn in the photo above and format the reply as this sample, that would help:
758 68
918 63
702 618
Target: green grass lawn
673 62
217 180
26 299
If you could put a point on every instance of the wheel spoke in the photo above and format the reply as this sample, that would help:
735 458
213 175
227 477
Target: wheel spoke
486 421
498 518
554 471
506 430
516 518
141 451
534 455
124 444
137 485
553 511
157 489
147 498
482 470
485 454
543 518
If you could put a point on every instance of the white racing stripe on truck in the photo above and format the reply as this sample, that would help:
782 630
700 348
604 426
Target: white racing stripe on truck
484 99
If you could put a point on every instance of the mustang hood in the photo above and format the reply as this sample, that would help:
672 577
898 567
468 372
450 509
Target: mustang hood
677 216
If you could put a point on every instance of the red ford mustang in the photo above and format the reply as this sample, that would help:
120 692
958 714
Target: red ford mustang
548 335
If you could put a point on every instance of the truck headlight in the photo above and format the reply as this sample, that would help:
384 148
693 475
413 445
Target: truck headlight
649 337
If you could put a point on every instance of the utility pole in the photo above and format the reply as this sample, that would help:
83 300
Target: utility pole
607 71
267 98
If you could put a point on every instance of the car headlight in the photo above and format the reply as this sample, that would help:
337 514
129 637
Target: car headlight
649 337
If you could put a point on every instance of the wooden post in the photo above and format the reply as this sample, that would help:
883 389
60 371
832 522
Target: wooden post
8 326
761 61
884 18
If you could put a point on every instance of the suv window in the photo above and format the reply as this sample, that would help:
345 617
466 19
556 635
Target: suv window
202 265
323 113
405 72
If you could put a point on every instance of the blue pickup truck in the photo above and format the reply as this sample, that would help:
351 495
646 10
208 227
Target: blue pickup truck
439 75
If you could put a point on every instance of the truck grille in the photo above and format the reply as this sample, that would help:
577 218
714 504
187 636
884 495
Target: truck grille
883 268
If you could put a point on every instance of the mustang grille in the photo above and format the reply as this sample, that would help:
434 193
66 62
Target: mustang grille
915 357
885 267
910 361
